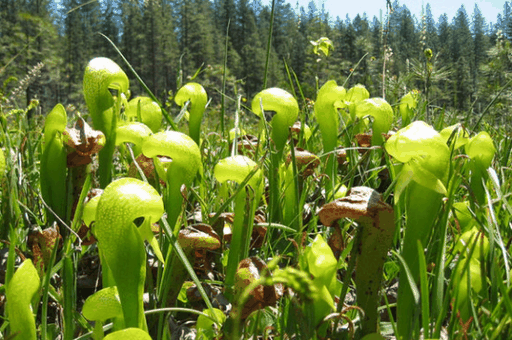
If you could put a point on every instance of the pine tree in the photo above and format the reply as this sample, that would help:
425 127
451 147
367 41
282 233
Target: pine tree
480 42
252 52
201 36
28 39
431 36
132 38
406 45
462 52
80 26
506 23
284 25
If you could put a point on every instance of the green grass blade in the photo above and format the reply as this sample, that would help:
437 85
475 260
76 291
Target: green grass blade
425 308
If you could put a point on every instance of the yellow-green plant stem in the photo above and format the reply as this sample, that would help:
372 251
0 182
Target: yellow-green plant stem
375 242
421 210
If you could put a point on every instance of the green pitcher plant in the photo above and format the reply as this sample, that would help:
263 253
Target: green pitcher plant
19 293
101 76
181 166
330 97
128 333
455 136
376 230
53 168
237 169
355 94
319 262
146 111
421 185
382 115
196 94
101 306
121 242
408 103
286 110
134 133
469 275
480 150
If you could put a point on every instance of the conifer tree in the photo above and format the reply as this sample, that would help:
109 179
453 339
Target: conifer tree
462 52
480 42
431 36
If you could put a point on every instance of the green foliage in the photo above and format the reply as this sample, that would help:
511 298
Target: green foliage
323 45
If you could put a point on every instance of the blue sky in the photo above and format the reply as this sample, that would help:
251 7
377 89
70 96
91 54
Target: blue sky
489 8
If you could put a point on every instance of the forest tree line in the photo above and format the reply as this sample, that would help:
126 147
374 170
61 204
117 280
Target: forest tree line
46 44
